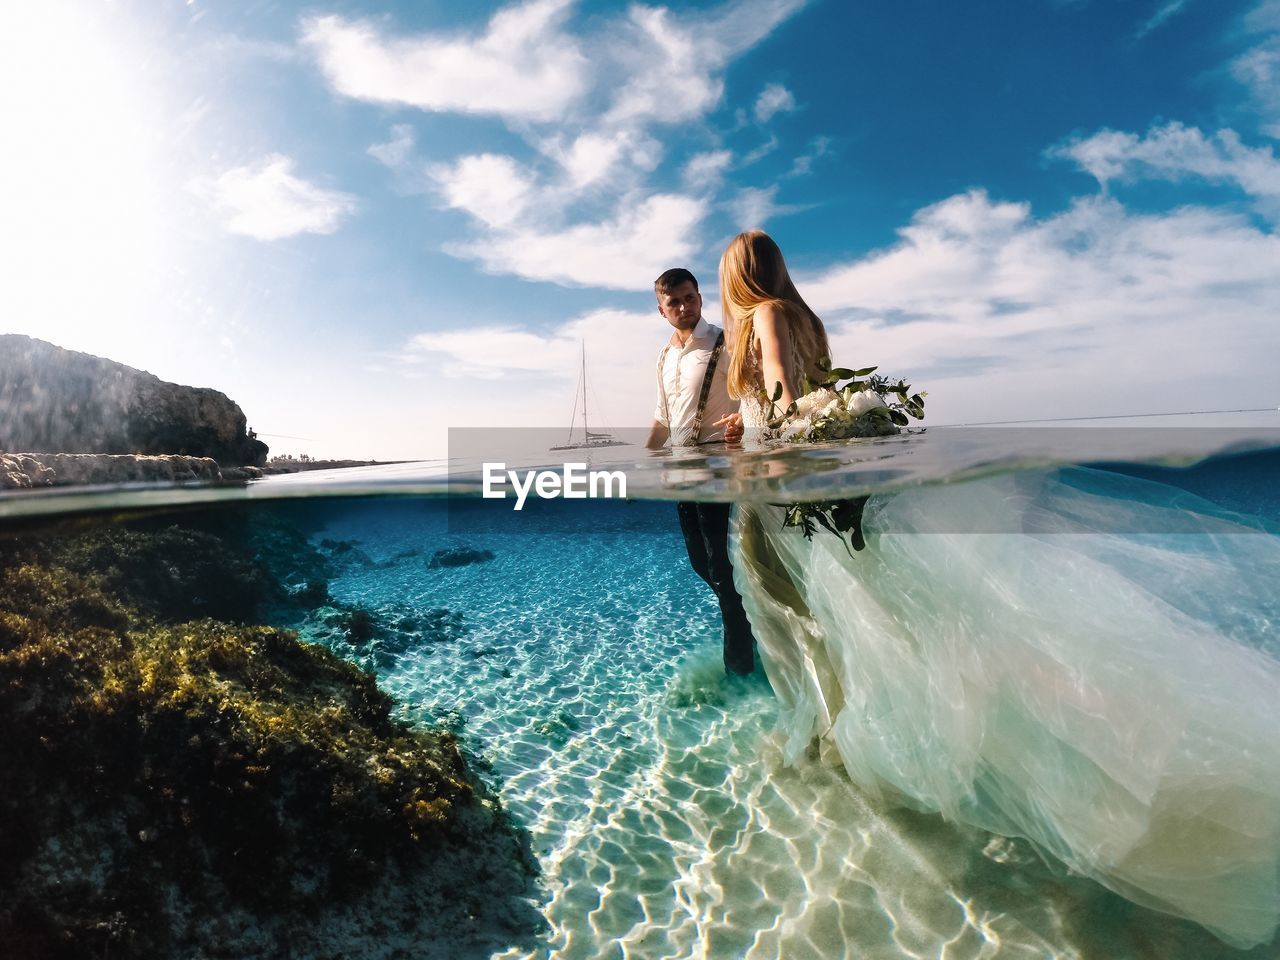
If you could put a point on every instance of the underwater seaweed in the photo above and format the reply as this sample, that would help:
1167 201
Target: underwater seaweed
160 767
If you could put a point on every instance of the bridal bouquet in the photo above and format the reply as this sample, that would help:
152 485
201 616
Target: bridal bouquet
827 411
873 407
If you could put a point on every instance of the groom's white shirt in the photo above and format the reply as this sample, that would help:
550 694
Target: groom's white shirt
680 373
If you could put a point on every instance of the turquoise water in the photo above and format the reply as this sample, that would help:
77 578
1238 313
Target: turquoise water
664 820
582 663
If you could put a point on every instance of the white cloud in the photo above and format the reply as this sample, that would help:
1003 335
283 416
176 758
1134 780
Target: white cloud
673 64
1158 18
490 187
1259 70
266 201
495 352
680 83
594 218
819 147
1095 310
623 253
1264 18
492 353
704 170
523 67
753 207
1259 67
760 152
593 156
773 99
1174 152
621 348
231 46
395 153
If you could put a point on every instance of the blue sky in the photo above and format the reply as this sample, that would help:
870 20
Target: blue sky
367 222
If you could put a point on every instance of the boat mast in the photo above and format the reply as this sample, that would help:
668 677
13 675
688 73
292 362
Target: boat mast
586 436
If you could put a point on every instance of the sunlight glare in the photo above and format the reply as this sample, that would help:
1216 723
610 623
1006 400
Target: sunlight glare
85 242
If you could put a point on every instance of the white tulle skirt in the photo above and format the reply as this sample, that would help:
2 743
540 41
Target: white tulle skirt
1074 657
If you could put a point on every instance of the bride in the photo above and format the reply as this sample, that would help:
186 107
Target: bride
1113 697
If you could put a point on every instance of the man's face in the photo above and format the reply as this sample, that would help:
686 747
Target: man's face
682 306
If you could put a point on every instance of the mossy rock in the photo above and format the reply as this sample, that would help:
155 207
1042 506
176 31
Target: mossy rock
376 639
158 771
459 557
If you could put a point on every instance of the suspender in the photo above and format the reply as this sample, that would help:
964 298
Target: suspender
696 429
690 436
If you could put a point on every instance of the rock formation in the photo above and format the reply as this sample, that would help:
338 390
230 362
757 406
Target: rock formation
23 471
176 782
59 401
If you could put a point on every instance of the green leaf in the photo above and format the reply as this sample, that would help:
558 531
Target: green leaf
823 363
898 417
777 392
865 371
842 373
827 524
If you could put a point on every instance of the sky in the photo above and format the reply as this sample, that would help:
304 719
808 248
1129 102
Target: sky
368 222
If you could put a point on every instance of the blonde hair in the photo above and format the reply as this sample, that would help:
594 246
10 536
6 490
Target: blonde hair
753 273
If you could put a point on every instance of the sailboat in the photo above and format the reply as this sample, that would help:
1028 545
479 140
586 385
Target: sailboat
588 439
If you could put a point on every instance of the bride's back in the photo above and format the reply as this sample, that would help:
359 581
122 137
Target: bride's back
753 273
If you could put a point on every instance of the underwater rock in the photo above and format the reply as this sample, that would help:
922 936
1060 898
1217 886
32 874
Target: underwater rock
288 554
173 786
397 559
313 593
376 639
170 573
345 554
459 557
558 729
62 401
441 625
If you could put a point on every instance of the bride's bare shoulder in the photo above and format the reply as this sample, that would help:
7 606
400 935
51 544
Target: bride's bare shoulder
770 320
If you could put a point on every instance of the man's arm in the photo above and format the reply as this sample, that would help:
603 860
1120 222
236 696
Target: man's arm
658 436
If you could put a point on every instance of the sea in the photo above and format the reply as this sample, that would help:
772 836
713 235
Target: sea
581 667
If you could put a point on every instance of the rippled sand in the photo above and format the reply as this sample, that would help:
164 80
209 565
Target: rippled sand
664 821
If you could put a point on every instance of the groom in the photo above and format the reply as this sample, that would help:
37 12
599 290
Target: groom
692 395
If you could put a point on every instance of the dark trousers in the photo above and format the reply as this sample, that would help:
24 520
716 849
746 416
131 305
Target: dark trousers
706 535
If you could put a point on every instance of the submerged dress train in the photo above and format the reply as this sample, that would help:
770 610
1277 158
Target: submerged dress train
1072 656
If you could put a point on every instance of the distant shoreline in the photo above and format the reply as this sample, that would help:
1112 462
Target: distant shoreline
301 466
40 470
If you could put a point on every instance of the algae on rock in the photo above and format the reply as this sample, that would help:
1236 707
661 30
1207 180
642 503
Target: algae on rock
164 775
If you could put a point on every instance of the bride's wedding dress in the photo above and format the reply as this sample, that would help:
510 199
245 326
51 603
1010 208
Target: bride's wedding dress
1083 659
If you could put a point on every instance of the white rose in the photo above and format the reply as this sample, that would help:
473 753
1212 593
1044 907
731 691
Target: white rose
864 401
810 403
795 430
